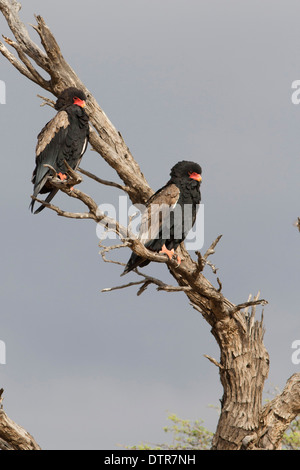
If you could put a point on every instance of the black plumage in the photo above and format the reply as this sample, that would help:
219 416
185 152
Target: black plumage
170 213
64 138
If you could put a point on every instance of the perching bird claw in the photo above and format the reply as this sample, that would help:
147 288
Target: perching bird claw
169 253
178 261
61 176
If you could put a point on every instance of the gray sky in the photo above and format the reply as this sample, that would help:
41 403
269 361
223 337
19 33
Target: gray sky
208 81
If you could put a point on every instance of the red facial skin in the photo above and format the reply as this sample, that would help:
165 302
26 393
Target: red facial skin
195 176
79 102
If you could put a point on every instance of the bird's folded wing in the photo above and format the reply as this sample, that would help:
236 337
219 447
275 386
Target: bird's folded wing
156 217
50 142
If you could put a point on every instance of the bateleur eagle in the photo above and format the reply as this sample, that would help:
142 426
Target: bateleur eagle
64 138
170 213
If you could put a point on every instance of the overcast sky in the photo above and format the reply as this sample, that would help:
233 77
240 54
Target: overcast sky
208 81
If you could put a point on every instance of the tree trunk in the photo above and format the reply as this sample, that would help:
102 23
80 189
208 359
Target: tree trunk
243 369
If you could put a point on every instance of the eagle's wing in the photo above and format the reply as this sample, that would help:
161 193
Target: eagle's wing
156 218
51 141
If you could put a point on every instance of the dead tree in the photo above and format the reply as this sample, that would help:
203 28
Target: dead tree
13 436
244 362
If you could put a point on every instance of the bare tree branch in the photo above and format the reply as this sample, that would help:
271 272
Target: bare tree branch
32 72
250 303
211 359
277 415
297 223
13 436
161 286
47 101
202 260
101 181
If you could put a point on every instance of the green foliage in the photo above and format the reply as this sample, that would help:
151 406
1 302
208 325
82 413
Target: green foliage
191 435
291 439
187 435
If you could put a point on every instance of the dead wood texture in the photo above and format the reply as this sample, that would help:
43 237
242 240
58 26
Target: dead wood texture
244 362
13 436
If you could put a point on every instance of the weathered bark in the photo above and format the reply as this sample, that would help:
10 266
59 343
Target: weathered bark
278 414
13 436
241 404
244 361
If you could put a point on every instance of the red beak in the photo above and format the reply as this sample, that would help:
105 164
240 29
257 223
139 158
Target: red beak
79 102
196 176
